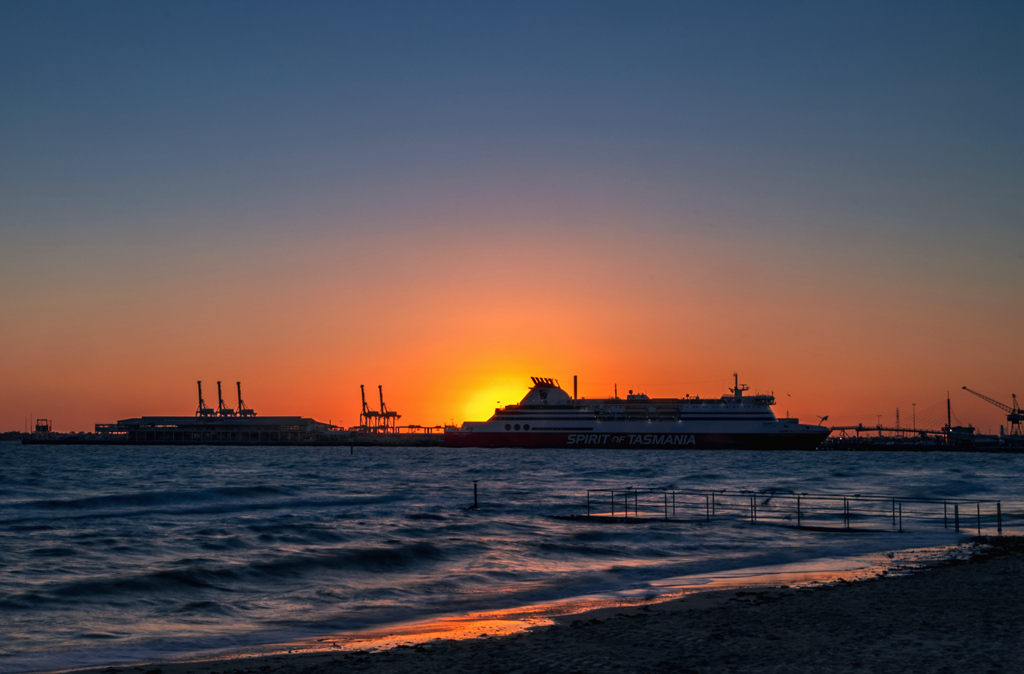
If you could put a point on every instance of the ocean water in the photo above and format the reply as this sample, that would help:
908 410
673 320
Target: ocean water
113 554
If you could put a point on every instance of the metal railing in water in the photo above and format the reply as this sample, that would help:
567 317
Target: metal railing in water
854 512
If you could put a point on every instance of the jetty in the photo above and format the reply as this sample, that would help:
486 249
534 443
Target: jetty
817 512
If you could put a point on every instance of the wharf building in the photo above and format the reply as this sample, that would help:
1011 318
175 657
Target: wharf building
224 425
218 430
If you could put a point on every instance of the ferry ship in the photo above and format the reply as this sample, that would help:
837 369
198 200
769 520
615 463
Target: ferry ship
550 417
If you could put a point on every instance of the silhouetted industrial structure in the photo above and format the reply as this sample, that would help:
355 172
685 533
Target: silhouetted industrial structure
222 409
224 425
243 411
949 437
203 410
1013 416
216 430
384 420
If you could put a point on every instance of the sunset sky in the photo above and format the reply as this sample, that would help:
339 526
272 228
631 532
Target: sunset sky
446 198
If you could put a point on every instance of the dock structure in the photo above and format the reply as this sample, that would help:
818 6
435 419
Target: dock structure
216 430
957 438
949 439
817 512
221 426
240 425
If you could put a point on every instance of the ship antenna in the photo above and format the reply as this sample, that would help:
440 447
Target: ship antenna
738 390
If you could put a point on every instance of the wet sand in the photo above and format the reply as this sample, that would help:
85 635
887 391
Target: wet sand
960 616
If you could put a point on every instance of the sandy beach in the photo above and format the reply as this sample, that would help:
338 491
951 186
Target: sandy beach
959 616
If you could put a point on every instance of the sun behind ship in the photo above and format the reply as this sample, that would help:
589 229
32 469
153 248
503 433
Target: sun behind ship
550 417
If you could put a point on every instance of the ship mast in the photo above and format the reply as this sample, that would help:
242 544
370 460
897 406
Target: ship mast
738 390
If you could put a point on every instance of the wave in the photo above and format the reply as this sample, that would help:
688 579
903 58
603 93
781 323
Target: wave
376 560
199 576
158 498
53 552
318 537
575 551
178 503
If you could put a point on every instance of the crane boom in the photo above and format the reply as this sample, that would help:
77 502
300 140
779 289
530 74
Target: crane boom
1005 408
1013 416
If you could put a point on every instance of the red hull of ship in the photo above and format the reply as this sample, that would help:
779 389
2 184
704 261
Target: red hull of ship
571 440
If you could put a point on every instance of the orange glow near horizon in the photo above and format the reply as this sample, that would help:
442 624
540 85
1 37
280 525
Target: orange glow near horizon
480 402
454 330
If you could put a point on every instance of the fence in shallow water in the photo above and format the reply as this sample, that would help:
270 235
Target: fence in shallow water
856 512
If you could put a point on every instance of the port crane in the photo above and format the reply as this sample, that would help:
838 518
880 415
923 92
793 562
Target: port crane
1013 416
374 421
203 410
388 418
368 418
222 409
243 411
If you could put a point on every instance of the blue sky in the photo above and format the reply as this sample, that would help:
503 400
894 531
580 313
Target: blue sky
237 104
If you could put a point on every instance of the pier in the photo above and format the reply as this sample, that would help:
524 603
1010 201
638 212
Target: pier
816 512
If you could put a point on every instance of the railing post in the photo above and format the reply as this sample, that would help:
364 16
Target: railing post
712 503
901 517
894 512
956 517
673 503
707 507
666 506
846 512
978 504
999 517
798 514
